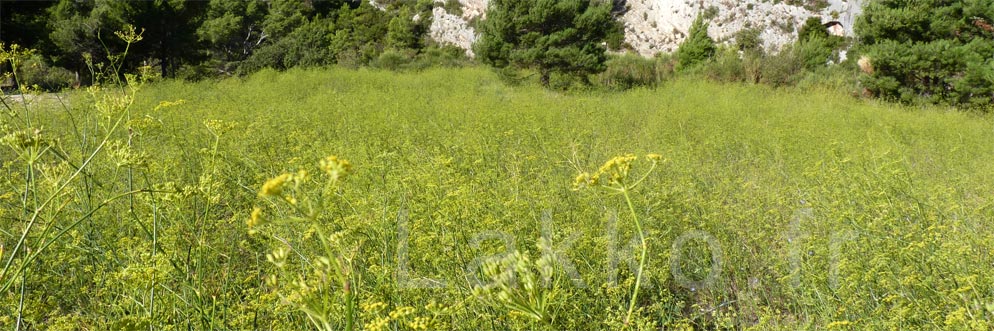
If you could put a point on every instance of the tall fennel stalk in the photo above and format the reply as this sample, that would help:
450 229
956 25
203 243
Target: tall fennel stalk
613 177
296 192
30 145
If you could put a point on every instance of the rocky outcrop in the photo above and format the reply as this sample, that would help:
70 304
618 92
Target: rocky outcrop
654 26
451 29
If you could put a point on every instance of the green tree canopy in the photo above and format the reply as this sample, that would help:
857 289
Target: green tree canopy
231 30
933 49
401 31
551 36
88 26
812 28
698 47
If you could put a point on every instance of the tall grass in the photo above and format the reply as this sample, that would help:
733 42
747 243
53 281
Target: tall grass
769 209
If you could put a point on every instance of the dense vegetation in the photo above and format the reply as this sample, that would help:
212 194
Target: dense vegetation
196 39
940 51
684 191
457 202
698 47
930 52
553 36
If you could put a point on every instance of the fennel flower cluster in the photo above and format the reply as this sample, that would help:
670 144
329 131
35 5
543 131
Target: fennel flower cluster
276 187
335 167
613 173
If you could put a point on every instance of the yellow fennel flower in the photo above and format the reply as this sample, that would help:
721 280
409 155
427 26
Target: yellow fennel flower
335 167
274 187
255 219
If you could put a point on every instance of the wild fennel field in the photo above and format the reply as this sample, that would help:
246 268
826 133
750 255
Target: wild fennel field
447 200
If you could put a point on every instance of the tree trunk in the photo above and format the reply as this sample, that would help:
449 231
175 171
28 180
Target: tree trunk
163 61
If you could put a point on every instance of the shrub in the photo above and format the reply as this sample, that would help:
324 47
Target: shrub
812 28
306 46
631 70
264 57
840 77
564 81
752 66
748 40
440 56
36 71
200 71
727 66
814 53
698 47
711 12
393 59
783 69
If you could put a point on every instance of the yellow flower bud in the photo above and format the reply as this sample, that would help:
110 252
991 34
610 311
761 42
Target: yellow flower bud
335 167
274 187
255 219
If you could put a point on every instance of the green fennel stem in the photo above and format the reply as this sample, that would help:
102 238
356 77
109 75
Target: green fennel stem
638 274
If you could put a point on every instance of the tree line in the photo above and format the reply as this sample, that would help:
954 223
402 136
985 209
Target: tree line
197 38
936 51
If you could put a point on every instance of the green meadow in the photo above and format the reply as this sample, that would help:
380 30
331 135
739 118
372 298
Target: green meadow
455 201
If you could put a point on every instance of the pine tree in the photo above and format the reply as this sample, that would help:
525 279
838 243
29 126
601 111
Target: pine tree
698 47
231 30
933 50
550 36
87 27
400 31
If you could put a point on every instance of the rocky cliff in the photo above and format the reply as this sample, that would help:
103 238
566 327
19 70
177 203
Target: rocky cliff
653 26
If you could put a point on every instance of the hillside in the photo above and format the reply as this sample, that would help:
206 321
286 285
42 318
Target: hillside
653 26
